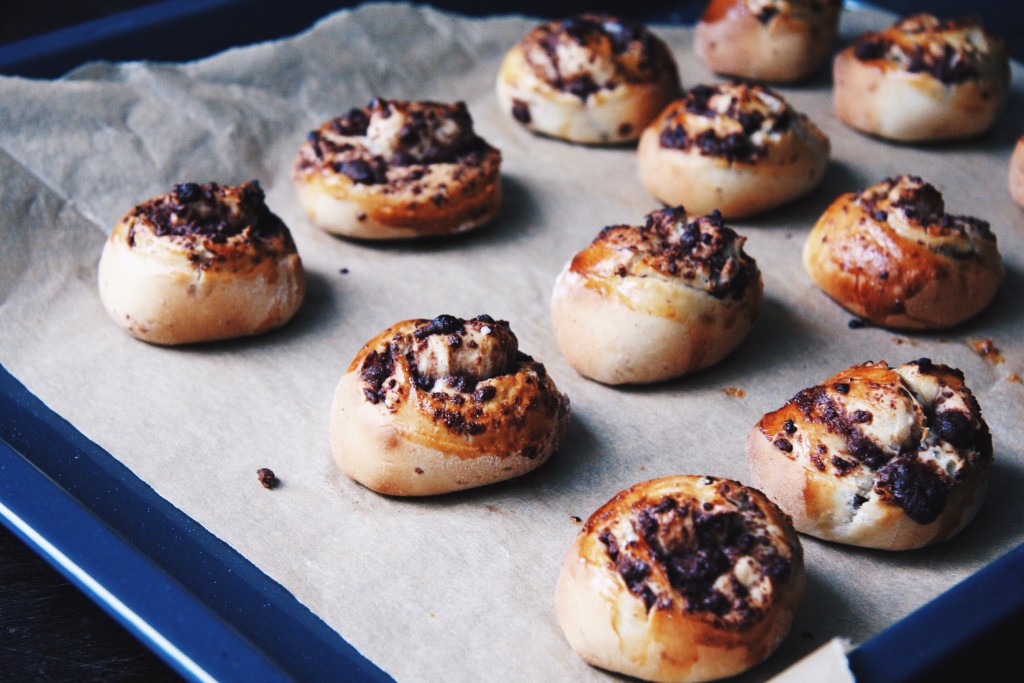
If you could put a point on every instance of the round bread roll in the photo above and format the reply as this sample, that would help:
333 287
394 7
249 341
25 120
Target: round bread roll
592 79
778 41
645 304
737 148
398 170
200 263
892 255
1017 172
922 79
432 406
879 457
679 579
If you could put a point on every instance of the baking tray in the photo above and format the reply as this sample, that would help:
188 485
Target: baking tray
205 609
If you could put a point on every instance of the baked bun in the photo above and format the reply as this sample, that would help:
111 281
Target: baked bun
892 255
679 579
922 79
432 406
645 304
593 78
398 170
199 263
734 147
880 457
1017 172
778 41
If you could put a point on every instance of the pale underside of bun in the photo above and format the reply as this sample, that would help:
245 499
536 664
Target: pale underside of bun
911 107
781 51
163 298
618 339
704 183
607 116
823 506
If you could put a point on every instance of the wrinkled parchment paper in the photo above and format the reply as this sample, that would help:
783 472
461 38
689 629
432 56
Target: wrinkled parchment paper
456 588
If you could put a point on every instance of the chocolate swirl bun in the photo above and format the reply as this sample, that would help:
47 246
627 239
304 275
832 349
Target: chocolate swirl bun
398 170
591 78
880 457
680 579
645 304
199 263
778 41
737 148
432 406
893 256
1017 172
922 79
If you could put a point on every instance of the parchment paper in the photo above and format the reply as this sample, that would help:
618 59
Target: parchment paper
455 588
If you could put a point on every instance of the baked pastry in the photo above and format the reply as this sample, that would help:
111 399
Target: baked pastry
880 457
891 255
778 41
432 406
398 170
1017 172
922 79
684 578
645 304
592 78
734 147
200 263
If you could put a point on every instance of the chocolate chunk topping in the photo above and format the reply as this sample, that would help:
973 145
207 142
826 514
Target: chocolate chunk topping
442 324
916 487
954 427
200 209
266 477
484 393
871 48
783 445
363 172
521 112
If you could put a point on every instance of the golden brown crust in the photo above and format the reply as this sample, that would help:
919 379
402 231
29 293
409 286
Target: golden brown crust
683 578
1017 172
435 406
591 78
892 255
736 148
922 79
644 304
876 456
398 170
200 263
777 41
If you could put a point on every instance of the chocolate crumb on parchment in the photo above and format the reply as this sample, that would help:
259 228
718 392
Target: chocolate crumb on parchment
267 478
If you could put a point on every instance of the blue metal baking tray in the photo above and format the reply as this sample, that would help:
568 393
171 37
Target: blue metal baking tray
202 607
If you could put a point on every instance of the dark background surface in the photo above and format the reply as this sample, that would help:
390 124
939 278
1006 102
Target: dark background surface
49 631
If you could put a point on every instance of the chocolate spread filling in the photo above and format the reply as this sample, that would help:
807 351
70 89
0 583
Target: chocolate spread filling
696 545
732 146
198 209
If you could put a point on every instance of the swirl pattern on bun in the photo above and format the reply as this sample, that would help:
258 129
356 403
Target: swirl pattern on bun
893 256
398 170
432 406
881 457
200 263
647 303
592 78
684 578
922 79
737 148
778 41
